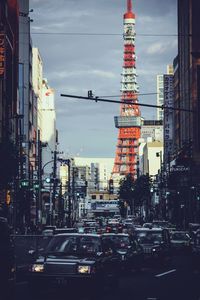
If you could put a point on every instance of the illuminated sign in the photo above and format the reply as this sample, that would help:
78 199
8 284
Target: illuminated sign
2 54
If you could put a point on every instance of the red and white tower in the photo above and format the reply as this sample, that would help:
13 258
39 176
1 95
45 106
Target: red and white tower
129 121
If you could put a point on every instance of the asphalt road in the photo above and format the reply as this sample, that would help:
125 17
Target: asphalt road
177 282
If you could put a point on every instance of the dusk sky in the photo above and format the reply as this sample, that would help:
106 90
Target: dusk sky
74 64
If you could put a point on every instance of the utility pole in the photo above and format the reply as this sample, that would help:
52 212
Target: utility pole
39 177
54 186
69 193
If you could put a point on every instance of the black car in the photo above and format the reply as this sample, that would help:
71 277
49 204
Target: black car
181 242
7 258
196 250
65 230
155 243
75 260
128 249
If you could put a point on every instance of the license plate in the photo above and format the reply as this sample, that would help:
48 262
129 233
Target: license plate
61 281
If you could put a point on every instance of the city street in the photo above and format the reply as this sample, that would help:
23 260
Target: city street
100 150
177 282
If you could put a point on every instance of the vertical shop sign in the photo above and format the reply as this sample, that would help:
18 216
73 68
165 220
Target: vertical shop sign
2 55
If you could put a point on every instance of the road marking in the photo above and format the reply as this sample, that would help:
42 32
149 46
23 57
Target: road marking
165 273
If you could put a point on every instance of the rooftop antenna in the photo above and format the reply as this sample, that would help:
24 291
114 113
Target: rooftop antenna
129 5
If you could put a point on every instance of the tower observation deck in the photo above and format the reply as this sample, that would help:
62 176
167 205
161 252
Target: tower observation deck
129 121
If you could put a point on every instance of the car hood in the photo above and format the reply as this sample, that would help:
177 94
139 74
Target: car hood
66 259
64 265
178 242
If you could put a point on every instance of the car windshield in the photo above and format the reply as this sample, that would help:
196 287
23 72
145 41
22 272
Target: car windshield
149 237
161 224
180 236
74 245
121 242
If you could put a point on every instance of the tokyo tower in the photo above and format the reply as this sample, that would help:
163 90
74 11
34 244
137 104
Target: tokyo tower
129 121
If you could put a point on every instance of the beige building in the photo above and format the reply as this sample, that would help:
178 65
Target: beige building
103 196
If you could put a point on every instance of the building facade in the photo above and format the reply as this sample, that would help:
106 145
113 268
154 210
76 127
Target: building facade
160 92
9 112
153 158
48 127
184 177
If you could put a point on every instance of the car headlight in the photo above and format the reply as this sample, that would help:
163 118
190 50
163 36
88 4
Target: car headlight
37 268
155 250
84 269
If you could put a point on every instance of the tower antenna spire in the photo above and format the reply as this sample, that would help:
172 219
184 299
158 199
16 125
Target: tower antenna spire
129 5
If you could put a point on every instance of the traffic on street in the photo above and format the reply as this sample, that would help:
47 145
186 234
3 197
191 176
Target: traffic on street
145 263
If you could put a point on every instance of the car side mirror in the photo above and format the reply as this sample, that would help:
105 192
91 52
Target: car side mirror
99 254
32 253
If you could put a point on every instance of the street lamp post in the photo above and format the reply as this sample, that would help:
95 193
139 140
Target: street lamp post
50 208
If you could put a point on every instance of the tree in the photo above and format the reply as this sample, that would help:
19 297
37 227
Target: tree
126 192
142 194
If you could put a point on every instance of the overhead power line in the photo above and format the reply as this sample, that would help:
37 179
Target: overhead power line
103 34
142 94
97 99
117 96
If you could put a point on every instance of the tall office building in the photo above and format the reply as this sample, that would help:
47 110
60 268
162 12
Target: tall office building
189 75
160 92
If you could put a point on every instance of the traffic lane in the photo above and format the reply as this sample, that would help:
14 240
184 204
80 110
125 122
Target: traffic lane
176 282
136 286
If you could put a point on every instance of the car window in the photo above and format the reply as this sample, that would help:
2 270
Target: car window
89 245
149 237
121 242
180 236
61 243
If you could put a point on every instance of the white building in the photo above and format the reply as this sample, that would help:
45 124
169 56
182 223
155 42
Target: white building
48 126
151 131
63 175
37 78
104 166
152 158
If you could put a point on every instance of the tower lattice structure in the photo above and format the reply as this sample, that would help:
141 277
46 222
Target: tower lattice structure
129 121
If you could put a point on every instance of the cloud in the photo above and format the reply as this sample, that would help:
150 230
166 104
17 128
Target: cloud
75 64
70 74
161 47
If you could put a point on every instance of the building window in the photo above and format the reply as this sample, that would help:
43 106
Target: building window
101 197
94 197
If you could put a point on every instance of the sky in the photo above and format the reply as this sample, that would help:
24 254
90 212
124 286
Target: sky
75 63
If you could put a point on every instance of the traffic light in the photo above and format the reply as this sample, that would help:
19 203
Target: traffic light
198 193
24 183
48 180
36 185
8 197
90 94
111 188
